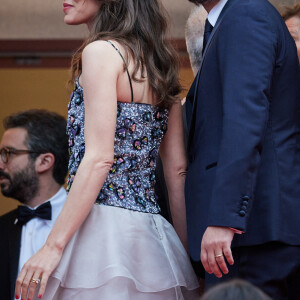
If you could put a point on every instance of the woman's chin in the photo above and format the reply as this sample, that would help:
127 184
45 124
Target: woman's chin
70 21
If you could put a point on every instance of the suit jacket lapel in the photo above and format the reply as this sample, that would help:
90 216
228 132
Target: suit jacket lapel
14 252
194 87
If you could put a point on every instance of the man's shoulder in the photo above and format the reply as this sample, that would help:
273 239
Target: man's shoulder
261 7
244 17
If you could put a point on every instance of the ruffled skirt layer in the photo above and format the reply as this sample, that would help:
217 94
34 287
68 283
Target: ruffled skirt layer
118 254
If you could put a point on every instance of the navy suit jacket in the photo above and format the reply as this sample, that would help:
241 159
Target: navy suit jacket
243 117
10 241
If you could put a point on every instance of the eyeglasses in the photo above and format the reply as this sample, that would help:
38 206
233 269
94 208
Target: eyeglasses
6 152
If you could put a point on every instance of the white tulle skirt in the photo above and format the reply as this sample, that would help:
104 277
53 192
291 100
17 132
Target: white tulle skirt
118 254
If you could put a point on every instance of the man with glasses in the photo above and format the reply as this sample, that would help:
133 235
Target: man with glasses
33 167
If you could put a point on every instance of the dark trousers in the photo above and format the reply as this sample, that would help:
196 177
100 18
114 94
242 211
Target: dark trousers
273 267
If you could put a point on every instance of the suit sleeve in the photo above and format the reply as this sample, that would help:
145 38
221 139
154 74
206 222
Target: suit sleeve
246 57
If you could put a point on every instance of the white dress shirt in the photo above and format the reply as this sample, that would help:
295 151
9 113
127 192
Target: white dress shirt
35 232
215 12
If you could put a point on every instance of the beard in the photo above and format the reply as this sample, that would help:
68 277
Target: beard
23 186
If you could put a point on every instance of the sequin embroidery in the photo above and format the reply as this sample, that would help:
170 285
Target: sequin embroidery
140 129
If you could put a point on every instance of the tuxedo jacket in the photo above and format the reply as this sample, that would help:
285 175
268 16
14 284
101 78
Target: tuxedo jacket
243 115
10 241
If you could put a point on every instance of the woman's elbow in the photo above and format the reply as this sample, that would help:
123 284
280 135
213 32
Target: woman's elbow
104 164
178 170
100 162
181 171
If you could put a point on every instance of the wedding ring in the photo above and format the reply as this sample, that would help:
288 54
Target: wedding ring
218 255
37 281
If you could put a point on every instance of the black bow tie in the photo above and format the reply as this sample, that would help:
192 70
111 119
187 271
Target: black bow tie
25 214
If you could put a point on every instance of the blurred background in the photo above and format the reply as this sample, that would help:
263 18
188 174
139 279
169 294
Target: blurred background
35 51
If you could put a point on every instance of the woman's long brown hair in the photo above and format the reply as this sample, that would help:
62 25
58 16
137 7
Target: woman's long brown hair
140 26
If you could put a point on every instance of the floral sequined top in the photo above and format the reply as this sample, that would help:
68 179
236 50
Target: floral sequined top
139 131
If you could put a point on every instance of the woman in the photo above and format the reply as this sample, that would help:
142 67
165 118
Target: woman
125 98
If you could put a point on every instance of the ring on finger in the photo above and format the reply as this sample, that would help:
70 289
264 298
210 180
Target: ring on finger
218 255
37 281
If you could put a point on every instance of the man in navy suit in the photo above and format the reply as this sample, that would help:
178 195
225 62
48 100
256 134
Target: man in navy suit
33 167
243 181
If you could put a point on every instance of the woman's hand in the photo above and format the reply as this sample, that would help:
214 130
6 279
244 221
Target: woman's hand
37 270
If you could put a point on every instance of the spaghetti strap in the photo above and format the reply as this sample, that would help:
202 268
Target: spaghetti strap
126 68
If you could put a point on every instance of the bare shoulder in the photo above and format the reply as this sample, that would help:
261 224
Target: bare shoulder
101 52
96 47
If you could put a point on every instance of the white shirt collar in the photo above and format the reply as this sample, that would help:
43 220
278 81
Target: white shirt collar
57 202
215 12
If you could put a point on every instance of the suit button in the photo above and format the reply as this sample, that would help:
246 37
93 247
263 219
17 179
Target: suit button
245 203
246 198
244 208
242 213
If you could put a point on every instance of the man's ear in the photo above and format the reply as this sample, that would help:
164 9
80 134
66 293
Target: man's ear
44 162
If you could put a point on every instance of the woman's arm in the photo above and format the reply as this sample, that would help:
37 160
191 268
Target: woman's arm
172 152
99 76
100 71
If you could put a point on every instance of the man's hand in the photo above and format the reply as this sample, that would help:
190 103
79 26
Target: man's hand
215 247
